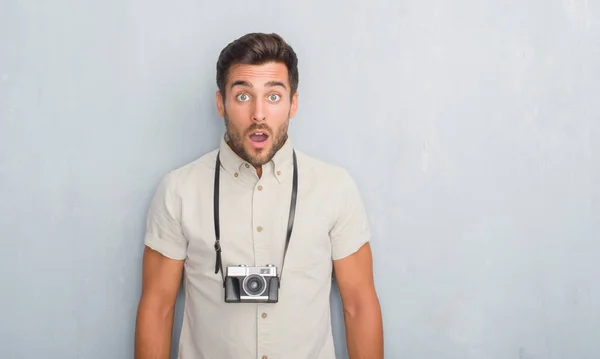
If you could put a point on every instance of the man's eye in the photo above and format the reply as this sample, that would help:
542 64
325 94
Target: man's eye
274 97
243 97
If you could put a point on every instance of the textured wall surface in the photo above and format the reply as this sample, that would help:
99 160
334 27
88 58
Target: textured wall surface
471 128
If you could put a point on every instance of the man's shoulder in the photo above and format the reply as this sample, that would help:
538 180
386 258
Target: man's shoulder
323 171
192 171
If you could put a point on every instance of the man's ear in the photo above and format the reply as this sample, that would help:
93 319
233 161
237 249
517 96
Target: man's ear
220 104
294 106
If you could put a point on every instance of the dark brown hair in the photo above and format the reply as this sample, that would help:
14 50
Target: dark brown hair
257 49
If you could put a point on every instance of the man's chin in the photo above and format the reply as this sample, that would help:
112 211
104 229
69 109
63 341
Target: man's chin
258 156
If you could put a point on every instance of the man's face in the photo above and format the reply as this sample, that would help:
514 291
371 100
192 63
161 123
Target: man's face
257 110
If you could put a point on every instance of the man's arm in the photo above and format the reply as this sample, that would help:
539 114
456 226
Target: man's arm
161 279
362 313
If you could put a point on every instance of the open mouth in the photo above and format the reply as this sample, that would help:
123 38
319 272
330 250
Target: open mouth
259 136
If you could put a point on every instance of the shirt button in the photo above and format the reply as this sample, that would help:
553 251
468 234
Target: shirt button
260 188
235 174
247 165
278 173
264 357
259 228
264 315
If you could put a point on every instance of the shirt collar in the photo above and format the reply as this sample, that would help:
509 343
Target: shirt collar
280 166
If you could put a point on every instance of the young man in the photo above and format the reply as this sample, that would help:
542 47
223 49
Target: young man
253 202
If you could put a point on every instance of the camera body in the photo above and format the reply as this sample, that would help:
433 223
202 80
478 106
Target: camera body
244 284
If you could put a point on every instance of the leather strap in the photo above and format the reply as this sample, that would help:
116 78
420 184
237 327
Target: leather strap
291 216
218 263
290 227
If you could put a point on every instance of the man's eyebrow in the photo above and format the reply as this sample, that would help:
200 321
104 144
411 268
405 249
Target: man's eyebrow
275 83
241 83
248 84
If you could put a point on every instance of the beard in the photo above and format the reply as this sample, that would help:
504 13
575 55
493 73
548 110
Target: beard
261 156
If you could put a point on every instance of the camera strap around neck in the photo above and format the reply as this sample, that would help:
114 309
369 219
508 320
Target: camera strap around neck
218 261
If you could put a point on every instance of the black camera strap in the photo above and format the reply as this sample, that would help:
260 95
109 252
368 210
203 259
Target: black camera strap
218 261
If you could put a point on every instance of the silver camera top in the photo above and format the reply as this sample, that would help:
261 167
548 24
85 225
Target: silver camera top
241 270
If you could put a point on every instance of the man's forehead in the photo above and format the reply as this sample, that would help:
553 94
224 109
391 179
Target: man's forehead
258 75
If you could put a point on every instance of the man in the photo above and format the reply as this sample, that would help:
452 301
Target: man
254 219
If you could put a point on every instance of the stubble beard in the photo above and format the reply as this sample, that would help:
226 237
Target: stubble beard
236 142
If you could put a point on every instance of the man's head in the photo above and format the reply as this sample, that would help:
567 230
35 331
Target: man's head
257 77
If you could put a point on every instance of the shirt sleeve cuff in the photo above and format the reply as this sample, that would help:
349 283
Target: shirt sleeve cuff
342 251
166 248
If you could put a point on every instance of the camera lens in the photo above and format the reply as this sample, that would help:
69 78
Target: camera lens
254 284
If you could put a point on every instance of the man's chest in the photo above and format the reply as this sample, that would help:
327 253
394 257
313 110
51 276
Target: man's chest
253 223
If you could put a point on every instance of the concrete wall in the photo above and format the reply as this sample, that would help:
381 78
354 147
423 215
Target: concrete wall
471 128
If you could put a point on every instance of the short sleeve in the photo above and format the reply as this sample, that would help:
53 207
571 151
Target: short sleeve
163 225
351 228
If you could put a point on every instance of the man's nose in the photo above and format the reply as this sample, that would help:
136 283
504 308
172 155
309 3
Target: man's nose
258 113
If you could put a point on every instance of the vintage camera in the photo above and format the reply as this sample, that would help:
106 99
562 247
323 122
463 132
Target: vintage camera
245 284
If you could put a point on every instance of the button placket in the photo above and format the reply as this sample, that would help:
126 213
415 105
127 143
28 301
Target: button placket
265 332
262 247
259 217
